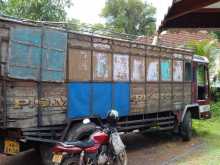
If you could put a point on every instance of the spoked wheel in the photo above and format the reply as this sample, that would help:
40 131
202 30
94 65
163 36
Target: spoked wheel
121 159
70 161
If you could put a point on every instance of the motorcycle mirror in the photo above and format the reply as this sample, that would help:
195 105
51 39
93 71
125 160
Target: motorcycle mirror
86 121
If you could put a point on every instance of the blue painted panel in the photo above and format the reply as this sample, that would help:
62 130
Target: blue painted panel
27 34
55 39
19 55
27 53
54 60
121 98
78 100
166 70
19 72
101 99
52 76
34 53
54 55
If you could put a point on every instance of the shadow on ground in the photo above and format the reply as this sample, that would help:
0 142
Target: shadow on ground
157 148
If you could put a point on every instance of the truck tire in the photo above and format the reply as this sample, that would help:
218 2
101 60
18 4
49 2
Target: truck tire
80 131
46 154
186 127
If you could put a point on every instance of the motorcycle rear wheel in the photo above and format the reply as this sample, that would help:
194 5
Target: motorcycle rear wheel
70 161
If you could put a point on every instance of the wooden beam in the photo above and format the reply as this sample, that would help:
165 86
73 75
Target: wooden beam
195 20
187 6
208 10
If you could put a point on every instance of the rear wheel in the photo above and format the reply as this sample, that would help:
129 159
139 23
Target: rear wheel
70 161
186 127
80 131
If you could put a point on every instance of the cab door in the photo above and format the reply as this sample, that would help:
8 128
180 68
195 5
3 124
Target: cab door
202 83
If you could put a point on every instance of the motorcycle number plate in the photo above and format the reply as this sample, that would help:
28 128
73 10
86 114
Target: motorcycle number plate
117 143
57 158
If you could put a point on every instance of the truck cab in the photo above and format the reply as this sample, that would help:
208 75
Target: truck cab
201 85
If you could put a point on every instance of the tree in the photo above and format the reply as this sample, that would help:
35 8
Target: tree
207 48
40 10
130 16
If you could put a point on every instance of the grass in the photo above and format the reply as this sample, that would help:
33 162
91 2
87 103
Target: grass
209 132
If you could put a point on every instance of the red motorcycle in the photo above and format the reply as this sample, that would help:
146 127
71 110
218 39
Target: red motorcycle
104 147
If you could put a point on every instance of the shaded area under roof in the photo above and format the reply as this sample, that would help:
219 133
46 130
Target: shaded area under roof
192 14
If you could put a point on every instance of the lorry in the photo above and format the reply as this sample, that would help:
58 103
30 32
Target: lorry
52 78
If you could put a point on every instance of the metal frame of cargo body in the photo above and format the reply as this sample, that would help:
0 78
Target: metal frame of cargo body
165 118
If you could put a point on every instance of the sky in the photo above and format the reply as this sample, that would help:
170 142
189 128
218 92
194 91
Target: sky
88 10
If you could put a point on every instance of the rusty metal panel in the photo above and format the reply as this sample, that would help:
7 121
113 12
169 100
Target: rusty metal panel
121 47
1 101
23 103
79 40
165 53
4 33
137 98
165 97
21 97
152 91
138 49
120 67
137 69
188 93
53 103
178 99
101 44
79 65
4 56
153 51
102 66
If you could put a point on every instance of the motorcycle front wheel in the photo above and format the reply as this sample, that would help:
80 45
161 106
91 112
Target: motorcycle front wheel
121 159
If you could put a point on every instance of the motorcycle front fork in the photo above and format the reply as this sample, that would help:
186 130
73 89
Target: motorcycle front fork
81 159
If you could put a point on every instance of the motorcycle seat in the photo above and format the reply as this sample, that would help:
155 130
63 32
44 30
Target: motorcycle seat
80 144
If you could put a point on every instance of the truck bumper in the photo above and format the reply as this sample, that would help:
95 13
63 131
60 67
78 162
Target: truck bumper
204 111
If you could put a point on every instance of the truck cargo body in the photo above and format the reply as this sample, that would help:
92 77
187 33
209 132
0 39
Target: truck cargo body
53 77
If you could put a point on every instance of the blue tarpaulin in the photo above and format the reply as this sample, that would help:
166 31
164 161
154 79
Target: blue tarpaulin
85 99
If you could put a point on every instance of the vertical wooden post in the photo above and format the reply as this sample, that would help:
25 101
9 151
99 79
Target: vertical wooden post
4 89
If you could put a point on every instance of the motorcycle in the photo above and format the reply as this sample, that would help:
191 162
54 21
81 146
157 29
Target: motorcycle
104 147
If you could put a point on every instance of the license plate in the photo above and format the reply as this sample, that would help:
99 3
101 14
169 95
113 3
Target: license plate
57 158
11 147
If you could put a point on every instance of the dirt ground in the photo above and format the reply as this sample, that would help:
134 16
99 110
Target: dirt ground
150 149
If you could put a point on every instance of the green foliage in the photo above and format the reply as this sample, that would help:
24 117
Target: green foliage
205 48
209 135
216 34
130 16
40 10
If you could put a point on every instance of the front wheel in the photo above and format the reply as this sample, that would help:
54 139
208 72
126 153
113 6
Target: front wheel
186 127
122 159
